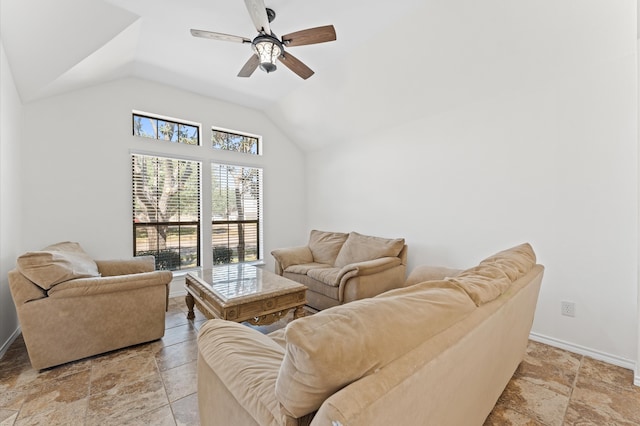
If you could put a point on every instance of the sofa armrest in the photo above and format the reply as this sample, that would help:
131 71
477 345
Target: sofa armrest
370 278
100 285
22 289
246 364
368 267
430 273
134 265
286 257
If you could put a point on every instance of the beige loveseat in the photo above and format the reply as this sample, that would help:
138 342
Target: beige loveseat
338 267
71 307
437 352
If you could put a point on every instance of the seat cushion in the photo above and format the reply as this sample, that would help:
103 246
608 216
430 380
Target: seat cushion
328 276
57 263
359 248
339 345
325 246
315 286
304 268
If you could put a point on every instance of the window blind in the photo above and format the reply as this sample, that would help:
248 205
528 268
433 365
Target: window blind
236 213
166 210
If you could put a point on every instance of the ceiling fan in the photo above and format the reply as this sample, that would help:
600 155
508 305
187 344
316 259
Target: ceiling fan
267 47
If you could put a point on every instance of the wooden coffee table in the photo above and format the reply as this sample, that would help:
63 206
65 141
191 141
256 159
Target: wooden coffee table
243 292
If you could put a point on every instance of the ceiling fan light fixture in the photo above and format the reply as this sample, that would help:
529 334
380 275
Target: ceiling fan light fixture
268 50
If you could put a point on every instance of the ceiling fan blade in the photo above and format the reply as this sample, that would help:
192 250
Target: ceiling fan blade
258 12
295 65
219 36
250 66
310 36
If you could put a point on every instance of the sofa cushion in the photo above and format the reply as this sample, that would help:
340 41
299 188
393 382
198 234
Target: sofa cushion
325 246
328 276
304 268
314 286
359 248
337 346
495 274
57 263
515 262
482 283
247 363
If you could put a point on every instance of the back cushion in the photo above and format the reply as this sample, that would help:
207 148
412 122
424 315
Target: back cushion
57 263
483 283
495 274
359 248
335 347
515 262
325 245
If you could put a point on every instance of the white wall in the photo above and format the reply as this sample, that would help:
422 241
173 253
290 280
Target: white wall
10 197
488 124
77 168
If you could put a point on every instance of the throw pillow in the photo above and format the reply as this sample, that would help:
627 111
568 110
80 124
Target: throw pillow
359 248
325 245
57 263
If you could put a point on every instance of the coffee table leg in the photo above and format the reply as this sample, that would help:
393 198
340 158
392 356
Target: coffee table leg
190 303
298 312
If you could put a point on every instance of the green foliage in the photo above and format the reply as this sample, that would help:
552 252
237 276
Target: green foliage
165 259
233 142
222 255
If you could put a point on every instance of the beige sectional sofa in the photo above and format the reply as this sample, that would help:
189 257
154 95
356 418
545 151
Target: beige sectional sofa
338 267
437 352
71 307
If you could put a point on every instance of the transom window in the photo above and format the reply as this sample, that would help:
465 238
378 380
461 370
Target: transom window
164 129
230 141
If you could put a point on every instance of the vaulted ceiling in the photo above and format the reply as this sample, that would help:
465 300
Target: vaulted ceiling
63 45
392 63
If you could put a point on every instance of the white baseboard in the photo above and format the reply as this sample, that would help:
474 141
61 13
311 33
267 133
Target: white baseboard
581 350
9 341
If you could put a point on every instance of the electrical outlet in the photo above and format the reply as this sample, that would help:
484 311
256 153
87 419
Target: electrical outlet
568 309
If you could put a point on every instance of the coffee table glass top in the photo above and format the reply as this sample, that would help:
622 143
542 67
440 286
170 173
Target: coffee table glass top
243 281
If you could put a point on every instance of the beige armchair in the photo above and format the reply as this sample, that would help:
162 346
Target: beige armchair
338 267
71 307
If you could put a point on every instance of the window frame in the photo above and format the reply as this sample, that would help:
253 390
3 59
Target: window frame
258 221
160 260
237 133
207 156
175 121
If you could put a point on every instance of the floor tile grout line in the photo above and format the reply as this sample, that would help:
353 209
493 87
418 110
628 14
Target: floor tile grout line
86 410
573 387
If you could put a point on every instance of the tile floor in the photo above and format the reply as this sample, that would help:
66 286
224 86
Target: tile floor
155 384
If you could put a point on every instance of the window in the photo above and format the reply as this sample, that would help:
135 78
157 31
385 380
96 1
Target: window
163 129
236 209
166 210
229 141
